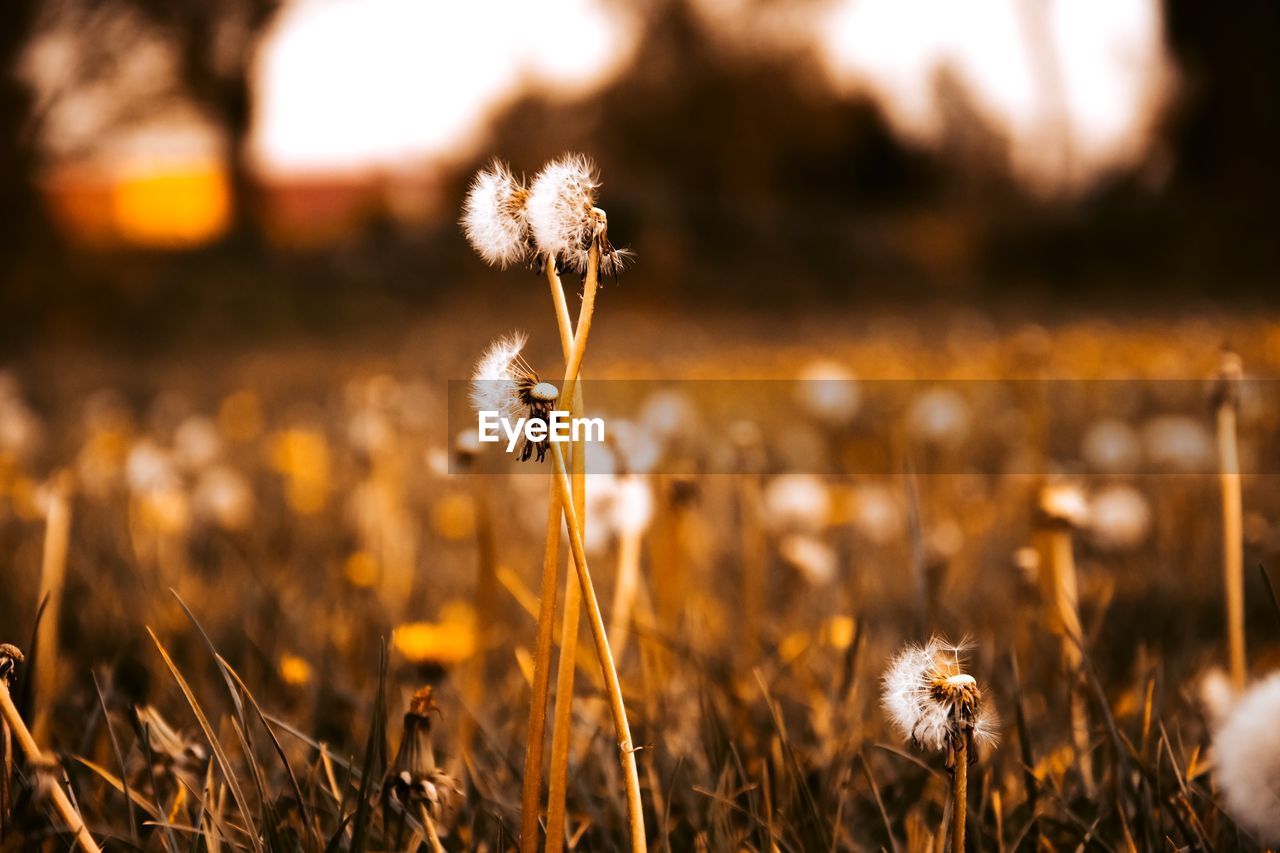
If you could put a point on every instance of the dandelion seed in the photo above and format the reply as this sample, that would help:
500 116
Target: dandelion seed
933 703
493 217
503 382
1248 760
564 220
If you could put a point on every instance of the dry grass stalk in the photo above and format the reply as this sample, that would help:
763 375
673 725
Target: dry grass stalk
10 658
1232 514
53 571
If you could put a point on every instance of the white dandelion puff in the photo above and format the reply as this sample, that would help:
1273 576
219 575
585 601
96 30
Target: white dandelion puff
932 702
1248 760
564 220
503 382
493 217
561 201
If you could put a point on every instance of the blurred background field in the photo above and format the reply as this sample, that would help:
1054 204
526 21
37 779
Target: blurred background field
233 293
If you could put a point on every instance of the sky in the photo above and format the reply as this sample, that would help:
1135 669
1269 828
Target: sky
351 85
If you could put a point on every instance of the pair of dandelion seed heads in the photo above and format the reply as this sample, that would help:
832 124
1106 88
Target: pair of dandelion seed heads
932 702
553 217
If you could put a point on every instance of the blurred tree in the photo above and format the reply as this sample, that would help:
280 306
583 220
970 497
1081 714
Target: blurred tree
216 42
718 156
23 224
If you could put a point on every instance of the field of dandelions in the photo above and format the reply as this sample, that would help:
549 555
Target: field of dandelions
271 603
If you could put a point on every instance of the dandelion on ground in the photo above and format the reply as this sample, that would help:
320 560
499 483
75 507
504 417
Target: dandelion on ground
932 702
1247 746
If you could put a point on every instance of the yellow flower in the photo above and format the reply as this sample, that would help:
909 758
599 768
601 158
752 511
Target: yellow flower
454 516
294 671
361 569
302 456
449 641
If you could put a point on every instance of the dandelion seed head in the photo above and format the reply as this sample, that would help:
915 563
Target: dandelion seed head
503 382
931 701
1248 760
500 377
493 217
561 201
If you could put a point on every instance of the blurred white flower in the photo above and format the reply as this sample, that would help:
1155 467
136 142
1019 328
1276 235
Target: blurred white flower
939 416
1119 517
1065 502
667 413
223 497
21 431
876 513
196 443
149 468
634 510
1179 443
797 502
1217 696
1247 748
1111 447
493 216
810 556
829 392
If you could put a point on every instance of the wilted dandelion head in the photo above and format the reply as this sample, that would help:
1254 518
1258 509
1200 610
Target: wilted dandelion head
1247 746
10 659
503 382
414 780
932 702
563 217
493 216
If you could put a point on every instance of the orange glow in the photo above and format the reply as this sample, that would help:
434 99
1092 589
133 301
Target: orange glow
182 206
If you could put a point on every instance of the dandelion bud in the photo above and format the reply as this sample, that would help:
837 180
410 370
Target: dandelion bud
933 703
493 217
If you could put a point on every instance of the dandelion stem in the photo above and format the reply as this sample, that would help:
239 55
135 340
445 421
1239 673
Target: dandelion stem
563 321
613 687
959 792
1232 525
562 724
61 803
535 743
